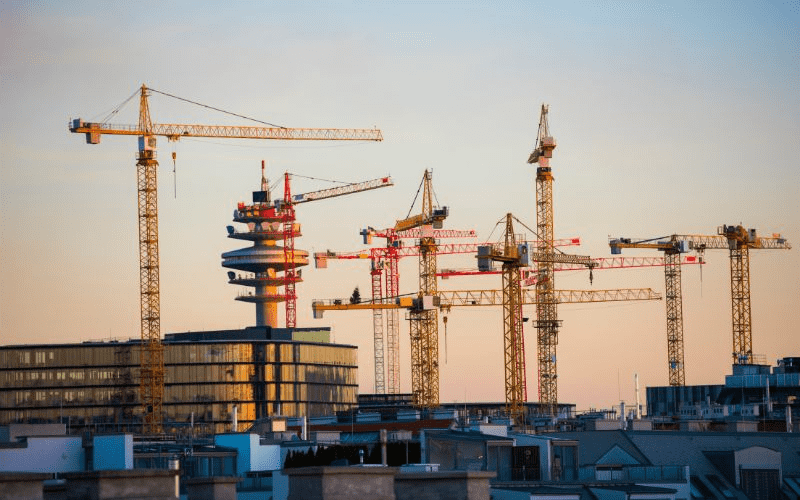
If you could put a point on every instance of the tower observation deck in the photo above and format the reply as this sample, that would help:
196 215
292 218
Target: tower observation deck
263 264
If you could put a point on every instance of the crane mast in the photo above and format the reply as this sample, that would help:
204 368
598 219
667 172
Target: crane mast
514 337
739 241
672 250
547 322
151 383
152 357
424 324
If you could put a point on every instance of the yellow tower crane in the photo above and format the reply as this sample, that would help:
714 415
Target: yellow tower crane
547 322
672 249
152 355
513 255
447 299
384 261
424 321
738 241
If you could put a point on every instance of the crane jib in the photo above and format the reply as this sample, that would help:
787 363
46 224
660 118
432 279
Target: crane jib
176 131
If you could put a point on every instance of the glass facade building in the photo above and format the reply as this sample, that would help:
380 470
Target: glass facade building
261 371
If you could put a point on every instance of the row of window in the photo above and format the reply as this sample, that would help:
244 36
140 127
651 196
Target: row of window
128 354
79 375
180 375
190 394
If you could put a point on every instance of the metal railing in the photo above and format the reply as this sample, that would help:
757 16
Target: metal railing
666 473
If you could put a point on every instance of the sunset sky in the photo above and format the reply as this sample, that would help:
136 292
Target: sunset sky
670 117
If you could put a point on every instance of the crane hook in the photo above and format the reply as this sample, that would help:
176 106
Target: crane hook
444 320
175 173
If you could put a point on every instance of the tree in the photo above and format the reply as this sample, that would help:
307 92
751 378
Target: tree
356 297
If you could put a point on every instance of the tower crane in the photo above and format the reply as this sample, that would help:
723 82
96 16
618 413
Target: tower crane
513 255
424 321
547 322
738 241
447 299
384 262
287 208
151 387
384 273
672 249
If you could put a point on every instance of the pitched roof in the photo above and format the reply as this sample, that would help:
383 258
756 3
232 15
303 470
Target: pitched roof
596 444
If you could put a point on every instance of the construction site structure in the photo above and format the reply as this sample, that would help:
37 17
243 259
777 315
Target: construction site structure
673 251
385 279
514 352
448 299
513 255
151 389
267 265
547 322
424 325
738 241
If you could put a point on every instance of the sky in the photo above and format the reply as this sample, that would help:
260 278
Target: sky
670 117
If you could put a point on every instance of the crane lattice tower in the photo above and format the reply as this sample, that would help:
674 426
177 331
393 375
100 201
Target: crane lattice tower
547 322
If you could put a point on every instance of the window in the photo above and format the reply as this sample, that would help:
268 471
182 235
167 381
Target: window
761 484
565 462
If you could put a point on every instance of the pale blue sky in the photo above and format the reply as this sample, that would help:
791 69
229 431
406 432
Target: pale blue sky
671 117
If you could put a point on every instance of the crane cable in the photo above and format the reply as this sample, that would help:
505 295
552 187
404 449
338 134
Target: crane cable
320 179
422 182
215 109
118 108
444 320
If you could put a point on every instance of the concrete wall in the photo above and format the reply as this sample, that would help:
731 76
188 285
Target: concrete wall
151 484
491 429
253 456
16 485
382 483
113 452
447 485
342 483
44 454
211 488
603 425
